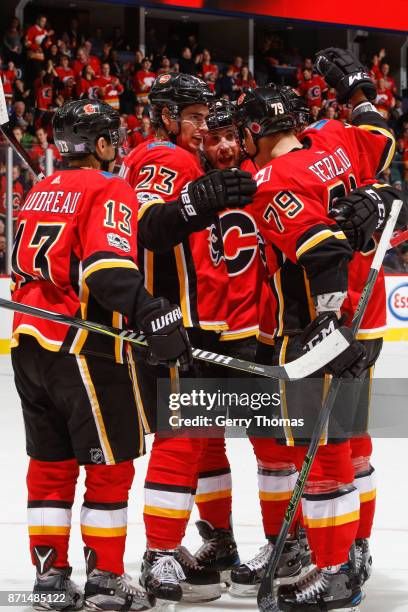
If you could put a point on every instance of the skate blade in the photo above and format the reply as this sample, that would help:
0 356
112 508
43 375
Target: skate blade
200 593
243 590
165 605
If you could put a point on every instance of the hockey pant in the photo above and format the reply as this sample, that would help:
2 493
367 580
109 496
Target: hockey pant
51 490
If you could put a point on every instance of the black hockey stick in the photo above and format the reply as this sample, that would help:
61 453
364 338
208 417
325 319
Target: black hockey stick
312 361
266 598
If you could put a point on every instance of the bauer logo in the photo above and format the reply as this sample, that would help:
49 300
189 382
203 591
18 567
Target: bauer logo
398 302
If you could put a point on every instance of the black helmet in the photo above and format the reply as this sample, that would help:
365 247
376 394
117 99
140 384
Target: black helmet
264 111
77 126
177 90
221 115
297 104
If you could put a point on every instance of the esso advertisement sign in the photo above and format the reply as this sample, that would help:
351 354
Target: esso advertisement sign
398 302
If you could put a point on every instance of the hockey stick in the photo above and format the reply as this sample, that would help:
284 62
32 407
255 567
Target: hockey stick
312 361
398 238
8 133
266 598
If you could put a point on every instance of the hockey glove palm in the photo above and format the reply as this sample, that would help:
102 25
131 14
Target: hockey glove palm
343 72
162 324
349 364
364 211
215 191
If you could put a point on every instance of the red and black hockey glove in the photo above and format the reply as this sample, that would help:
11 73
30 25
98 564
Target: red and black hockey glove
162 324
343 72
352 363
215 191
365 210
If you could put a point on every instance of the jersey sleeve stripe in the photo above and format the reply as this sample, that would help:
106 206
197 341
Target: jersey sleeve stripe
389 149
146 206
104 264
316 239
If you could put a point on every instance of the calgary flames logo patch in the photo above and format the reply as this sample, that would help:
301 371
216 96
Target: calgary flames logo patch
89 109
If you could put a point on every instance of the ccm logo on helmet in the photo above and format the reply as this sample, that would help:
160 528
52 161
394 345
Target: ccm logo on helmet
398 302
170 317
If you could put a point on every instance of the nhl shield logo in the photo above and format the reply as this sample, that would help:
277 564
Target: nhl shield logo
96 455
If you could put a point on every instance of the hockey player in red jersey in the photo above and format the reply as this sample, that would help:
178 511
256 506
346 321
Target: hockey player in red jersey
181 257
296 185
75 253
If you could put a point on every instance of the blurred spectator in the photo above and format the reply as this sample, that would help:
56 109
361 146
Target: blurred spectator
18 194
313 88
143 81
186 62
38 151
236 66
135 121
37 39
115 65
245 79
97 41
2 227
8 76
109 87
12 44
144 132
226 84
384 100
17 116
118 41
44 92
3 256
208 70
396 260
64 70
389 82
165 66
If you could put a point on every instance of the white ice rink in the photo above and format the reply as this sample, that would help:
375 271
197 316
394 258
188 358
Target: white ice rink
387 591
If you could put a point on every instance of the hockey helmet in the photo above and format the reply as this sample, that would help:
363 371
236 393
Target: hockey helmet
297 104
176 91
77 126
264 111
221 115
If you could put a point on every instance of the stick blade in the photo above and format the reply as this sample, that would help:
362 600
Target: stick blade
266 599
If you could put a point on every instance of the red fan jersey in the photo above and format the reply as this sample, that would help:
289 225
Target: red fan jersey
64 74
193 273
18 195
38 152
35 37
44 97
72 226
111 88
313 90
291 205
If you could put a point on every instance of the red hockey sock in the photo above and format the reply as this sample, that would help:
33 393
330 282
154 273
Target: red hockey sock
170 487
104 513
213 497
51 491
365 482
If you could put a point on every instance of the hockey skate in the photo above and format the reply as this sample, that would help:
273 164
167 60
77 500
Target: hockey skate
108 591
174 575
53 587
363 560
218 551
331 588
245 580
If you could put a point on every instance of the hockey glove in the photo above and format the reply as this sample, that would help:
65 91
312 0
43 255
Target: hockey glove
215 191
343 72
162 324
349 364
364 211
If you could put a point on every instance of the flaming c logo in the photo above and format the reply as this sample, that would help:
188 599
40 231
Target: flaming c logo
89 109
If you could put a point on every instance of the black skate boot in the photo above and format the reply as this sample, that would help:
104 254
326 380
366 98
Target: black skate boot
201 583
305 552
363 560
53 588
245 580
218 551
331 588
108 591
161 576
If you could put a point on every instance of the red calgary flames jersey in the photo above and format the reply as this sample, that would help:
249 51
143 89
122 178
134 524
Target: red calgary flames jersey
294 194
374 149
193 273
72 225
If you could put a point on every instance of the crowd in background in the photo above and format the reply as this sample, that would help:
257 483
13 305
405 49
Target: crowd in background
41 69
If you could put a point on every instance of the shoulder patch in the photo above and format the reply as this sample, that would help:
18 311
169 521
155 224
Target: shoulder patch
161 143
317 125
144 197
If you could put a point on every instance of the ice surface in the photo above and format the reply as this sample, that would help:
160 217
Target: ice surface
387 591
